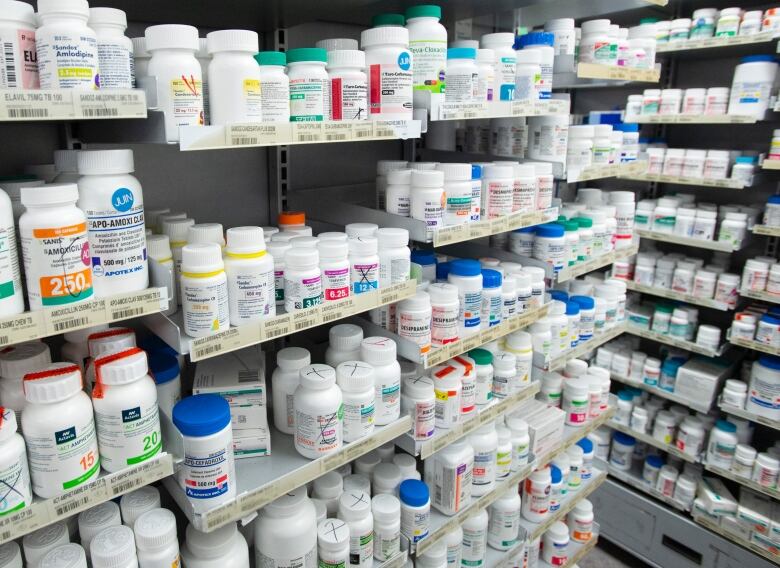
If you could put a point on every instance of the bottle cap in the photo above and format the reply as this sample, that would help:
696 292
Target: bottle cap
346 58
392 237
418 387
69 555
345 337
170 36
332 532
328 486
35 544
113 547
110 340
361 230
379 20
427 178
201 415
50 194
420 301
277 58
354 376
338 43
158 247
22 358
215 544
155 529
107 17
354 505
378 350
121 368
455 172
461 53
306 55
206 233
20 11
232 40
423 11
302 258
384 35
317 376
134 504
386 507
293 358
491 278
69 7
56 382
362 246
8 423
201 259
176 229
96 519
465 267
66 161
291 218
414 493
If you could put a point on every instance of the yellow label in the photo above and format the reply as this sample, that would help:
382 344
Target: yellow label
75 73
252 87
186 87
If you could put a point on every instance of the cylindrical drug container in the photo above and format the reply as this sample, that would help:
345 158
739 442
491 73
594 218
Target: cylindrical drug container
333 543
415 509
234 79
386 510
390 72
286 532
504 523
356 380
348 85
204 290
275 92
318 412
380 353
418 400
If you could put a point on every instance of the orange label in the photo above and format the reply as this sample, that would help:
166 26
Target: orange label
61 285
56 232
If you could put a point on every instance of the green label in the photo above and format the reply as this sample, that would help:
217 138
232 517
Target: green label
314 301
18 507
146 455
6 289
279 294
83 477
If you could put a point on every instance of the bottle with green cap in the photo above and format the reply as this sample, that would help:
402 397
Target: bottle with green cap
382 20
428 44
274 85
309 101
585 232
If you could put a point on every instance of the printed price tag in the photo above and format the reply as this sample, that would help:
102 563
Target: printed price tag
75 316
224 341
437 356
479 229
307 132
448 235
277 326
367 301
258 134
525 108
135 304
78 499
385 129
362 130
305 319
22 327
110 104
337 131
221 515
129 479
36 105
332 311
27 520
499 225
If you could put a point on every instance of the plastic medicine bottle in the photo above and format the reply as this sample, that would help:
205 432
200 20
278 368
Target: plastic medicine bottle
505 64
53 223
356 380
284 382
113 202
427 199
390 72
274 86
318 412
155 538
114 547
355 510
57 403
134 504
387 526
428 44
179 80
380 352
12 301
333 543
224 547
17 33
235 91
204 290
418 400
302 279
14 472
67 50
124 391
250 276
415 509
344 342
37 544
114 48
348 85
363 264
69 555
286 532
162 269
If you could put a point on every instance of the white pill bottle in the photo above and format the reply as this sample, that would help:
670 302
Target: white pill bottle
59 430
389 69
428 44
11 295
67 49
286 532
204 290
234 77
14 471
177 76
274 86
115 49
113 202
319 412
250 275
17 34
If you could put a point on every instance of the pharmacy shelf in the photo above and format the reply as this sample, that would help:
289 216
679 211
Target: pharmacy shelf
728 474
621 170
69 104
742 413
770 165
576 270
43 512
339 213
687 241
650 440
771 554
762 296
754 345
568 501
613 72
260 480
396 561
712 43
38 324
171 328
596 341
672 295
442 110
766 230
633 478
441 525
726 183
437 355
690 119
253 135
661 393
674 342
576 551
484 414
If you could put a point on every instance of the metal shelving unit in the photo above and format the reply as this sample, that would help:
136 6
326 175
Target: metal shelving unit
670 449
674 342
673 295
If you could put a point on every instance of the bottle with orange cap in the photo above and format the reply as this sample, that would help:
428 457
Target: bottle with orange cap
294 222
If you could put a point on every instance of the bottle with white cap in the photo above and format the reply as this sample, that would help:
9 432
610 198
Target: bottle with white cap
177 230
114 547
14 472
250 276
284 381
15 362
64 23
69 555
178 76
204 290
343 343
11 555
427 198
162 271
37 544
348 84
380 352
222 547
498 183
59 430
302 279
113 202
111 340
12 301
155 537
355 510
394 256
386 510
317 403
66 164
96 519
125 392
356 380
54 236
206 233
235 93
134 504
333 543
115 50
364 264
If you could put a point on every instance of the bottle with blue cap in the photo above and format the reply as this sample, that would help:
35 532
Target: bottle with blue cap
164 369
542 42
415 509
208 475
466 275
490 314
462 75
752 85
550 245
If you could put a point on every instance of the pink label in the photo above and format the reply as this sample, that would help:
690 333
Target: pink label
578 417
29 70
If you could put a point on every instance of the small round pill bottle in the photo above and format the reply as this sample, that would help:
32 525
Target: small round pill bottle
14 471
64 23
250 275
356 380
115 49
204 290
155 538
15 362
234 78
386 509
134 504
333 543
208 475
275 86
318 406
418 400
56 403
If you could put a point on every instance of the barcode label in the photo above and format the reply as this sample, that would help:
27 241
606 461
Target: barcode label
244 141
362 132
99 112
128 313
126 486
308 137
28 113
248 376
203 352
223 515
70 324
10 65
70 506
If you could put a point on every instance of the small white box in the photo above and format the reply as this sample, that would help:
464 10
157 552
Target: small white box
754 512
715 497
238 377
700 379
545 430
733 526
251 443
247 417
765 543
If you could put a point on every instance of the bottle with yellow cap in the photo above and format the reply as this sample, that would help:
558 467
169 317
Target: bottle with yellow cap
250 276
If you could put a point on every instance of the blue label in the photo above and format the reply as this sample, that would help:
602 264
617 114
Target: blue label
404 61
122 199
206 492
131 414
65 436
507 92
360 287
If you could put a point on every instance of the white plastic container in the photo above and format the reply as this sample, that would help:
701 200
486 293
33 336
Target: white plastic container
114 548
428 44
208 475
17 32
134 504
497 191
528 76
766 470
536 495
286 532
235 91
334 267
224 547
575 402
14 472
69 555
333 543
155 539
390 72
427 199
356 380
94 520
250 276
450 469
555 546
65 23
363 264
722 444
302 279
448 388
115 50
173 50
38 543
380 352
355 510
415 509
458 193
284 382
204 290
386 510
504 524
764 381
505 64
275 86
418 400
318 412
752 84
309 101
348 86
394 256
462 75
484 440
